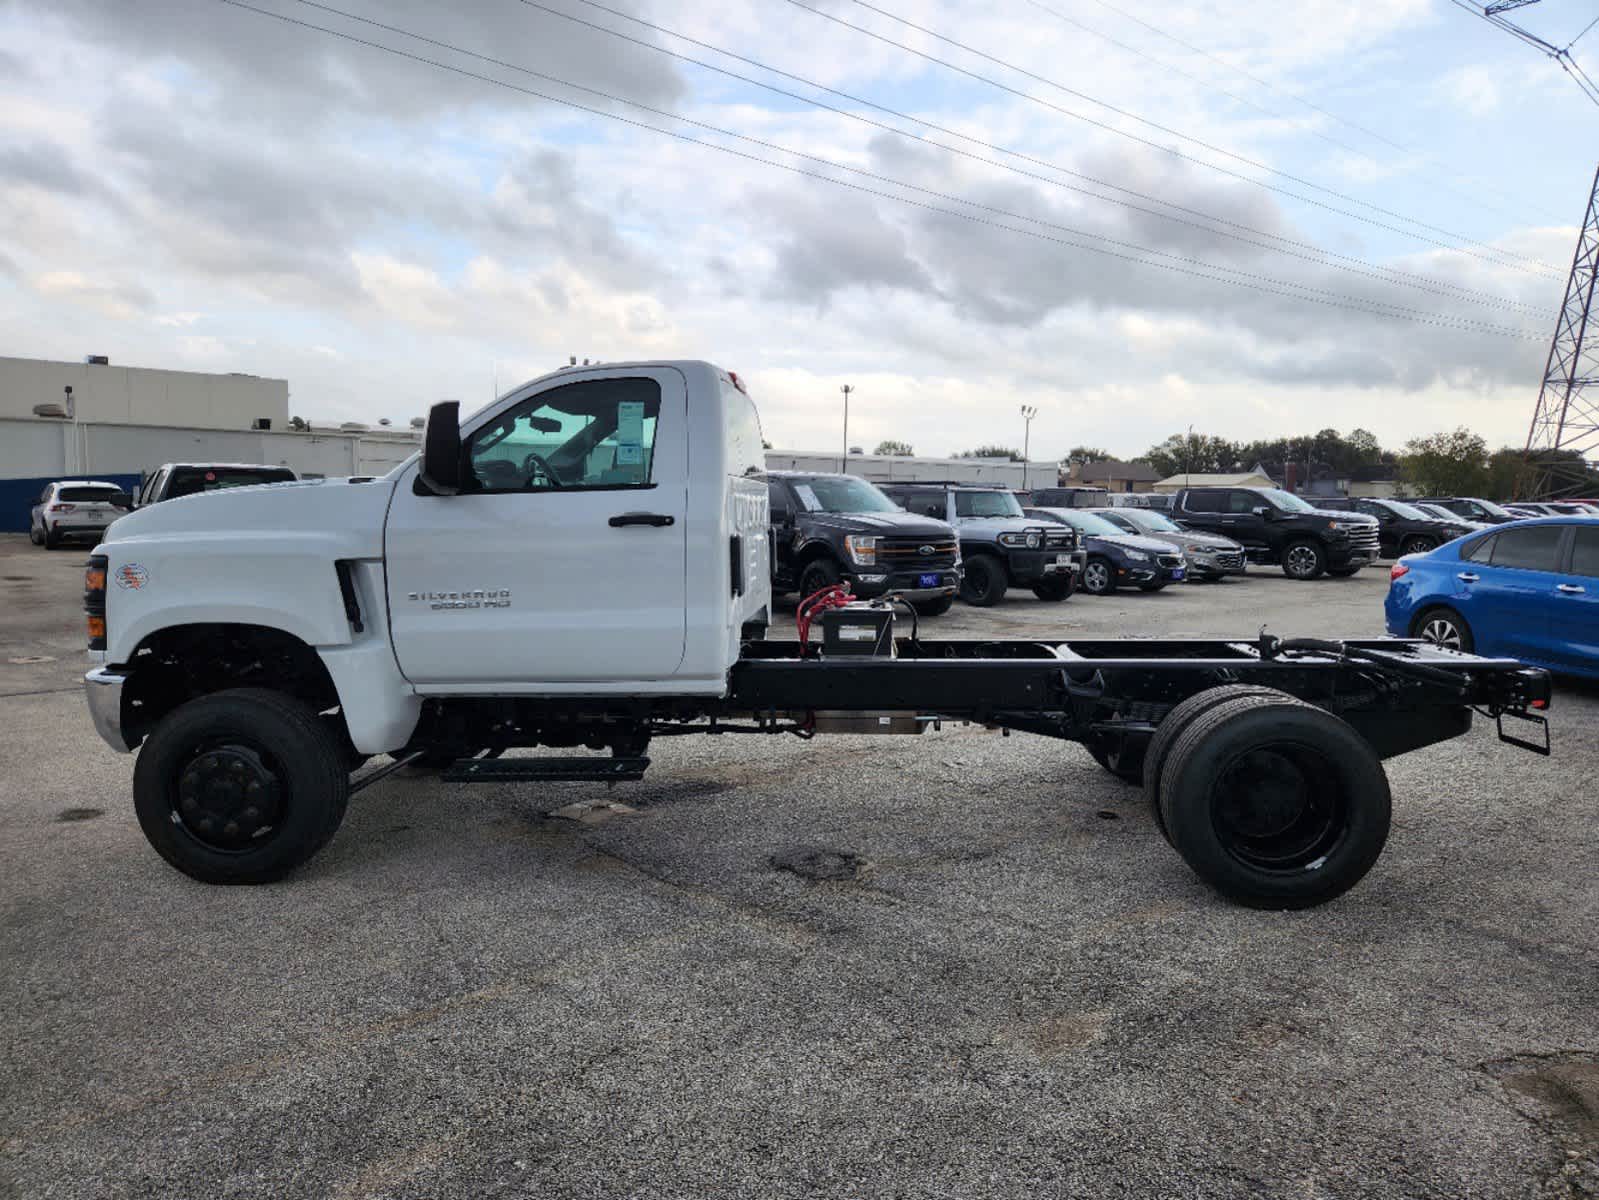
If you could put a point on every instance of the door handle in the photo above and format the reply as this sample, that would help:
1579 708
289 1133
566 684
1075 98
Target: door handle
642 518
1467 577
1571 589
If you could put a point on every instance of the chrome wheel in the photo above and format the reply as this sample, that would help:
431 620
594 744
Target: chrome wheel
1302 561
1096 577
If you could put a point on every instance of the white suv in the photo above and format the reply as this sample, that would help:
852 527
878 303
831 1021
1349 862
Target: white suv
75 508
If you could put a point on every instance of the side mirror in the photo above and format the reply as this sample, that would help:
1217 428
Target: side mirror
1262 510
441 449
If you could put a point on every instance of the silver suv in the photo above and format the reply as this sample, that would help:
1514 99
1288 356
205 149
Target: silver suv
75 508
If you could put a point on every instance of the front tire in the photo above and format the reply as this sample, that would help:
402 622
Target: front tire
818 575
984 583
240 786
1304 560
1099 577
1275 805
1446 628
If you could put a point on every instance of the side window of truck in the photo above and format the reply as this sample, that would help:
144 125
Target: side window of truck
597 434
1244 503
1203 502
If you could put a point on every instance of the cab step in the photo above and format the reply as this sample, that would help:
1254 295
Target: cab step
546 770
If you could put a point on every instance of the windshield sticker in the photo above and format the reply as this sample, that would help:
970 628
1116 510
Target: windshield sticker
807 497
630 422
132 576
629 454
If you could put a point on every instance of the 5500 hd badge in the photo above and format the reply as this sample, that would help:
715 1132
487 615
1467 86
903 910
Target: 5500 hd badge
492 598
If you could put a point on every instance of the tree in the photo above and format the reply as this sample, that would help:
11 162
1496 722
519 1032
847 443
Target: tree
1009 452
1079 455
1446 464
1200 453
1363 445
897 448
299 424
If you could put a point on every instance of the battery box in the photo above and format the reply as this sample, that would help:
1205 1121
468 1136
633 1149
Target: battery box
863 628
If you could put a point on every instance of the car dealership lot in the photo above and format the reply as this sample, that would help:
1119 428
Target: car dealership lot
959 965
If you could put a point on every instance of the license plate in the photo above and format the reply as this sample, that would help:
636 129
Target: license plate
927 581
1179 573
1063 560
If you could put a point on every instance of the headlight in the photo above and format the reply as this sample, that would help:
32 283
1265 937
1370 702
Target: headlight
1018 539
1342 526
1196 549
862 548
1137 555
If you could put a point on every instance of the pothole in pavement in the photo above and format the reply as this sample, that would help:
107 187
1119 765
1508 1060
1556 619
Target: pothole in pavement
819 863
1560 1093
79 814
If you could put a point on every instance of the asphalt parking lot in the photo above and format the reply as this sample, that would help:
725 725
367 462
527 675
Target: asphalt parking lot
1011 988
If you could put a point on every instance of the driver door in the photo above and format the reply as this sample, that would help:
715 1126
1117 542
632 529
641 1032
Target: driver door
563 559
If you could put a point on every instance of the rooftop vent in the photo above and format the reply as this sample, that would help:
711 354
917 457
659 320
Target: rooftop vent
97 360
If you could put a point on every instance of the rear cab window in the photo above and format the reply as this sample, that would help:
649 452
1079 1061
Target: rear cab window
191 481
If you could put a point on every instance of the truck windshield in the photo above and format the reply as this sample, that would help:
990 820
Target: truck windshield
188 481
1407 511
987 504
1286 501
841 494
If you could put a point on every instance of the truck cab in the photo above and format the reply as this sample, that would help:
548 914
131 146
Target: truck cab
828 529
1275 526
1001 547
173 480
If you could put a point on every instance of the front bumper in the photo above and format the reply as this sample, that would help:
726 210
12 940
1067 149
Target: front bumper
1216 562
868 583
102 688
76 529
1028 567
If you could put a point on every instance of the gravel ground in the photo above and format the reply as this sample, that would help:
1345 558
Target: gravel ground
960 965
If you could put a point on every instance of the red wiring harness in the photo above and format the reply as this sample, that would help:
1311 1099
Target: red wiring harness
833 596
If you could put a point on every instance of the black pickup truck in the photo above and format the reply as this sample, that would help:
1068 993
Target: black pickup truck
828 529
1402 529
1275 526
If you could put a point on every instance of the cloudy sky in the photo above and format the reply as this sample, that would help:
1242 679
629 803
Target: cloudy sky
1133 214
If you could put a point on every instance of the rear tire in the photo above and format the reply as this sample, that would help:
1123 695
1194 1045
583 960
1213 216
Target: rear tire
34 535
1444 627
1275 805
817 575
1099 577
984 583
934 608
1418 545
1177 720
52 540
240 786
1055 589
1304 560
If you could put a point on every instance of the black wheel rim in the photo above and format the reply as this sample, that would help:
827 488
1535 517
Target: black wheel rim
1280 808
977 580
1302 560
229 796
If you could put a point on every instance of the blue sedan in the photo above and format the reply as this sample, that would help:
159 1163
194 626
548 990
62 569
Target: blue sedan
1527 590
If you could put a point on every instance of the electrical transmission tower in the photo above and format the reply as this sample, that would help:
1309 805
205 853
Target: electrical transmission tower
1565 424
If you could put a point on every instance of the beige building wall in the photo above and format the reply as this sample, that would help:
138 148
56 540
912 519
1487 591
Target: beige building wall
113 395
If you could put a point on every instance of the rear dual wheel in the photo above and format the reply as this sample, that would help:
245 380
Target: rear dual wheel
1273 802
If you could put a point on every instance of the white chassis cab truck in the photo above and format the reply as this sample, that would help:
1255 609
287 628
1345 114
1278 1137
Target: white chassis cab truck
585 563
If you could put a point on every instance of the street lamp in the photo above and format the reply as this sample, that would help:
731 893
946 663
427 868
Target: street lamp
1028 413
843 459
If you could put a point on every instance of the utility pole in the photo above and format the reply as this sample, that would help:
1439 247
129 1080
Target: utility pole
1188 458
1028 413
1565 421
843 462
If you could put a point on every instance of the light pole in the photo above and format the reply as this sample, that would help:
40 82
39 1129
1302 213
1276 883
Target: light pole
843 461
1188 458
1028 413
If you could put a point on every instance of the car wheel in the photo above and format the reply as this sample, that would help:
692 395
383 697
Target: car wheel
240 786
1099 577
984 583
1054 589
1418 545
34 536
934 608
818 575
1303 560
1444 627
52 540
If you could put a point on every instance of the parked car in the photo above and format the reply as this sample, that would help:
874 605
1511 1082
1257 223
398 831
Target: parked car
1278 527
1156 501
74 508
1209 555
1571 508
1116 557
172 480
828 529
1474 508
1401 528
1000 547
1528 590
1523 510
1066 497
1433 509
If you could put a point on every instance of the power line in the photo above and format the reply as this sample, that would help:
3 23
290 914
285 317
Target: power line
1067 19
1505 259
1324 257
1494 15
1242 279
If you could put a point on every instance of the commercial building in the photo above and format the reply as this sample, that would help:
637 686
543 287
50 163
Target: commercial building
1114 475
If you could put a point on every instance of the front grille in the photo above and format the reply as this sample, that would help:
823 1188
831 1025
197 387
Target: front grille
1064 539
1364 537
1169 560
1230 560
910 552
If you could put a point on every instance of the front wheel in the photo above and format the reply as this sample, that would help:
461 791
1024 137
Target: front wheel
240 786
984 583
1444 627
1099 577
1275 803
1304 560
817 576
934 608
1055 588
